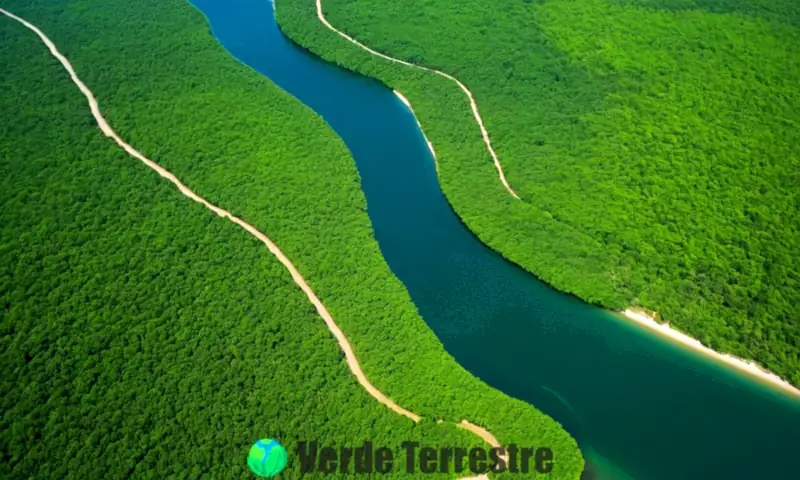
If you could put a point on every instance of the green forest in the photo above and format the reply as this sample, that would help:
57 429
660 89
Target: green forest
655 145
142 336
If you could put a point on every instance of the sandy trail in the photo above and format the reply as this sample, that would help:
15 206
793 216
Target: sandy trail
463 88
344 344
352 361
747 366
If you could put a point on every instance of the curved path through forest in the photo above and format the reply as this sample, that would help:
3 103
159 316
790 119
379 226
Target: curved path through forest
463 87
352 360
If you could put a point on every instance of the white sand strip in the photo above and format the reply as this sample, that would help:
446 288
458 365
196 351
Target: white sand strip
344 344
463 87
430 145
744 365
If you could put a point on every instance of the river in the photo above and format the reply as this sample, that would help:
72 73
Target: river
640 406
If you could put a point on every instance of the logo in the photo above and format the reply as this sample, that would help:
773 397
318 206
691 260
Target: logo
419 459
267 458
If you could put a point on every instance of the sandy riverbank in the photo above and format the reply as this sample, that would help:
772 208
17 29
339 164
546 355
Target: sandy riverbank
430 145
747 366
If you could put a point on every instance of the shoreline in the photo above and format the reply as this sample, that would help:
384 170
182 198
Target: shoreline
739 364
749 367
430 145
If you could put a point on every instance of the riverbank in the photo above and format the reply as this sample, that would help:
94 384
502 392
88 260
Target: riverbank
748 366
648 321
580 261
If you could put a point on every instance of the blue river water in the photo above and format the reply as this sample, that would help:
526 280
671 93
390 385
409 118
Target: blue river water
639 406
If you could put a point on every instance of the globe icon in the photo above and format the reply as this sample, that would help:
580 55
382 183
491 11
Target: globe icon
267 458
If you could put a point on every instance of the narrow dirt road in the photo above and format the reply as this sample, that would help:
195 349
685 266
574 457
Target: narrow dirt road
463 88
352 360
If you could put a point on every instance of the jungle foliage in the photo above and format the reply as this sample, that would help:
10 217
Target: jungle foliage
142 336
655 145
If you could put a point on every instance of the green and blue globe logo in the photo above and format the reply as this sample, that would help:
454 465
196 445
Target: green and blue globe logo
267 458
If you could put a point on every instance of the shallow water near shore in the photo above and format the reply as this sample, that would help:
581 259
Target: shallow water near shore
641 407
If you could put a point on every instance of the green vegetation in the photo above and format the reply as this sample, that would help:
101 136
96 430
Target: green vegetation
655 145
143 336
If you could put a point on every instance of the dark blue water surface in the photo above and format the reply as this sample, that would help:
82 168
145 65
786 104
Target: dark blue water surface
639 406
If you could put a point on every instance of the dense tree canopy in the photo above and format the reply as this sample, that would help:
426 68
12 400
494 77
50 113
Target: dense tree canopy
140 334
654 143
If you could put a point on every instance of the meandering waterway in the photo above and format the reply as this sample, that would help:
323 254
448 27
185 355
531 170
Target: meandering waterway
640 406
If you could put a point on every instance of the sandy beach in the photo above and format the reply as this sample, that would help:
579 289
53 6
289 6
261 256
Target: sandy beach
747 366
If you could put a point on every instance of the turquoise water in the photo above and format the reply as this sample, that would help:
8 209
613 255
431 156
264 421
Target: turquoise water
639 406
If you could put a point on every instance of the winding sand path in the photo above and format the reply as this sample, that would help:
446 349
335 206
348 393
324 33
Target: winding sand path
352 360
463 87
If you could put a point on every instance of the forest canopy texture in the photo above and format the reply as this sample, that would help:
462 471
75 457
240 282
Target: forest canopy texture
655 145
142 336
